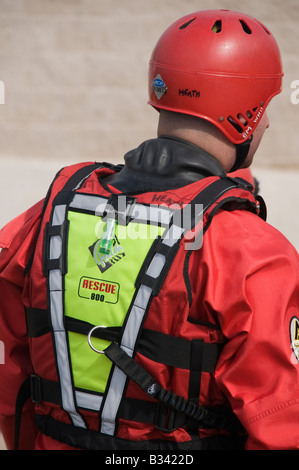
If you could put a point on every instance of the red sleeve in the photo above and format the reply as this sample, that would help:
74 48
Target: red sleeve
253 289
17 241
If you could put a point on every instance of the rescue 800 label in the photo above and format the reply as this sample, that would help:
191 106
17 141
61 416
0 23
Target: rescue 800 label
98 290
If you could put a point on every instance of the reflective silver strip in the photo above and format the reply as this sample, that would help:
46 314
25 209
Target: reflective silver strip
140 213
88 401
56 299
172 235
156 265
153 214
59 215
118 380
88 202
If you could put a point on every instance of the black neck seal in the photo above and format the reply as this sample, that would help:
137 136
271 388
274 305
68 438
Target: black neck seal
164 163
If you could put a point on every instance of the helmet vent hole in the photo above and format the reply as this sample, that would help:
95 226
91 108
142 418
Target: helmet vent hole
235 124
183 26
217 26
242 119
245 27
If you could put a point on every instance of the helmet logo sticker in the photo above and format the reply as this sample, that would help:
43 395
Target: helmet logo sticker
159 87
105 262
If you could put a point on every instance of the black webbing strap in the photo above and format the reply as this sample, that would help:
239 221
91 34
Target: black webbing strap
38 390
149 385
196 368
58 263
151 412
79 177
65 196
241 154
194 355
157 248
41 390
46 201
76 181
40 324
209 195
24 394
37 322
190 213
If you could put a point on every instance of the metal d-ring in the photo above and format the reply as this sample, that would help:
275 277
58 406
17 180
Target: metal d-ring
89 338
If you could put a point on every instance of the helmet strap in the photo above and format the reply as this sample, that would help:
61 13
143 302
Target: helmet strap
241 154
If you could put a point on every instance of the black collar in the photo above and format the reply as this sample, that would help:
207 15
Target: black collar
164 163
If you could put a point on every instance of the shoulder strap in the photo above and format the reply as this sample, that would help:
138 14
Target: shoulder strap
77 180
165 248
151 278
24 394
148 284
74 182
168 245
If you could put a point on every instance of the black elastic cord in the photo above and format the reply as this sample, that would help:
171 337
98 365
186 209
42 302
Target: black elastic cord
154 390
241 154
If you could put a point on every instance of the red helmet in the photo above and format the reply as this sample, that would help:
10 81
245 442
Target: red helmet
219 65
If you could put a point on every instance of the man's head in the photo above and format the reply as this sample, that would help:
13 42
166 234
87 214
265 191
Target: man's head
218 65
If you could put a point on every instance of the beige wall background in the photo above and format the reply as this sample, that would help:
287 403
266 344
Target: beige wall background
75 75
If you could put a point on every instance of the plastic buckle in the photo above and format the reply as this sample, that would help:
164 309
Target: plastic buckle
36 391
165 418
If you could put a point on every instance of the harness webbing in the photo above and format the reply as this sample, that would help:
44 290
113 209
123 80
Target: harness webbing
153 274
149 385
151 277
56 231
157 346
55 269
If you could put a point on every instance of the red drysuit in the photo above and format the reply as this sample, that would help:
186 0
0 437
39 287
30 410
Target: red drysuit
245 278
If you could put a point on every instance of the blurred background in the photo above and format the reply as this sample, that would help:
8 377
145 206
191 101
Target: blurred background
75 76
